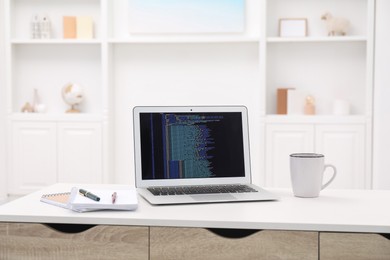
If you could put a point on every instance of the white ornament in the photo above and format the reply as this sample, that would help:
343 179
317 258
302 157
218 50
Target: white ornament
335 25
35 27
45 26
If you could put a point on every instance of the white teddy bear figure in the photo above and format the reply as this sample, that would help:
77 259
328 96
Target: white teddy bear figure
335 25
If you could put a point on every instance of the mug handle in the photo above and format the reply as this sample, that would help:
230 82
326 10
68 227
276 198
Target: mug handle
331 179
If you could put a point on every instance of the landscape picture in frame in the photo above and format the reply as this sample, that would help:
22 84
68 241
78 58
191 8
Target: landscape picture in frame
186 16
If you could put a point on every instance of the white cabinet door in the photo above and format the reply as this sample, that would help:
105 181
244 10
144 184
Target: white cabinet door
281 141
344 147
80 152
33 157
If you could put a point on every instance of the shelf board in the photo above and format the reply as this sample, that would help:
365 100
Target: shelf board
45 117
316 119
317 39
55 41
186 39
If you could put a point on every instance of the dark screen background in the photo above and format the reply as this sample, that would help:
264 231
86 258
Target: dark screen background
227 153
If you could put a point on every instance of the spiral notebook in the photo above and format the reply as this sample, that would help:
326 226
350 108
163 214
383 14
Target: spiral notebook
57 199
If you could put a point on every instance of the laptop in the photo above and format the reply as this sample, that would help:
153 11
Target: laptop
194 155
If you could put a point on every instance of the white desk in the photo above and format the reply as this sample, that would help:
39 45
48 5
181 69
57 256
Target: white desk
334 210
299 226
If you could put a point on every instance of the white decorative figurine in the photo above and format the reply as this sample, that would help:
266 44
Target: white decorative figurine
45 27
35 27
73 95
335 25
37 105
310 107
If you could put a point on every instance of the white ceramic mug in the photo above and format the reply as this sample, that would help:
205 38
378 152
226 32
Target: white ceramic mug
307 170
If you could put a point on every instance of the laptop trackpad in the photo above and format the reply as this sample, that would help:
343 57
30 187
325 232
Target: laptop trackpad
211 197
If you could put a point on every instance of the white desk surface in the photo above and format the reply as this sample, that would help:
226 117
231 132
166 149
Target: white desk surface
334 210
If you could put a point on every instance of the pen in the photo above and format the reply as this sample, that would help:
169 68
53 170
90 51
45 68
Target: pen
113 196
89 195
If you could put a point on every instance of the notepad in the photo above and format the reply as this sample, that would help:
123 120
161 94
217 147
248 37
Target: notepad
126 199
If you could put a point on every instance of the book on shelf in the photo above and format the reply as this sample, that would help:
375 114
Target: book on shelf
94 199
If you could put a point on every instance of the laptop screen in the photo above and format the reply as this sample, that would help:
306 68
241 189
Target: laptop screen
184 145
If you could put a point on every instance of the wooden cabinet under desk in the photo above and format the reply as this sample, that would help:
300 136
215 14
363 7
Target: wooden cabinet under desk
73 241
357 246
199 243
39 241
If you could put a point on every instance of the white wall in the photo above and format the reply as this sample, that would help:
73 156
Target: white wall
381 162
183 74
2 106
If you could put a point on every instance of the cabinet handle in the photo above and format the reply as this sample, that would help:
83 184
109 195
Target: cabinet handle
69 228
386 235
233 233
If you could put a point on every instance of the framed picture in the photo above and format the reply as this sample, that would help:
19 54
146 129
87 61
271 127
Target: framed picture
186 16
293 27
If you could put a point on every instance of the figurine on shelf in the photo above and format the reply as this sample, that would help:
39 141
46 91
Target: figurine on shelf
38 107
310 108
335 25
35 27
45 26
27 108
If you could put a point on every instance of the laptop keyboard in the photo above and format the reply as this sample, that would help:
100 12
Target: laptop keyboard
205 189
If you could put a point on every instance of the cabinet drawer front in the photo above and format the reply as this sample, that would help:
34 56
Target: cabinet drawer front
37 241
198 243
354 246
3 229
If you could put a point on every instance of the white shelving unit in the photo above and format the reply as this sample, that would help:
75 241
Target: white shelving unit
53 146
120 70
3 149
327 68
381 142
